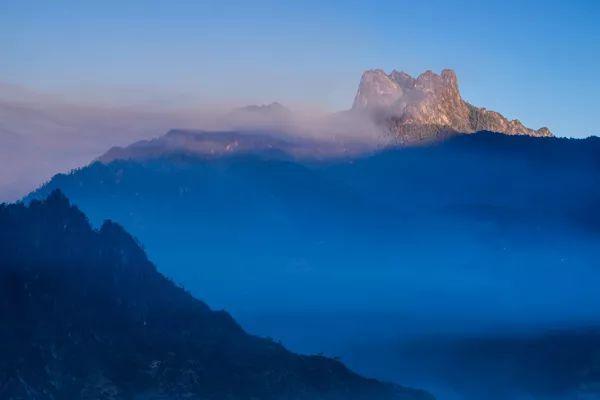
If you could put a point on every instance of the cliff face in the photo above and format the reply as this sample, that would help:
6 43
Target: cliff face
427 107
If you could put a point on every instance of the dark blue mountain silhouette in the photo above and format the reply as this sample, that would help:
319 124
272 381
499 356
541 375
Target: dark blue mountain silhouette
85 315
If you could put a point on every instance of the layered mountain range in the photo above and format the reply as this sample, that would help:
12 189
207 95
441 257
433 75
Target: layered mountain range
85 315
479 231
427 107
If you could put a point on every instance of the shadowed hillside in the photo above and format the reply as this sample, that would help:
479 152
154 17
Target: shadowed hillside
84 314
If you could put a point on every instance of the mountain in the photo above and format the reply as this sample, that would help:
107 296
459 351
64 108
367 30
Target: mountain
208 144
215 144
427 107
85 315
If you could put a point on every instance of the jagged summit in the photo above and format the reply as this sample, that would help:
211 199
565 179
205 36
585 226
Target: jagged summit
422 108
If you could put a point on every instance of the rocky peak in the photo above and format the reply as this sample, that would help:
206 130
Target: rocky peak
377 90
449 76
422 108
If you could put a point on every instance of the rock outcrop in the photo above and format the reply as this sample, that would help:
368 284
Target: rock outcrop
427 107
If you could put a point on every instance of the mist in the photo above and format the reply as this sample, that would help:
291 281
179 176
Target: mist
42 134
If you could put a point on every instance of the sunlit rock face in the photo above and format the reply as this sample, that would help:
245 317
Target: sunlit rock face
427 107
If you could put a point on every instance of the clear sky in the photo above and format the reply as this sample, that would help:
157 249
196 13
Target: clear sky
534 60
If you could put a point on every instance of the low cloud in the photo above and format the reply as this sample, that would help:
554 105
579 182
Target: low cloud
43 134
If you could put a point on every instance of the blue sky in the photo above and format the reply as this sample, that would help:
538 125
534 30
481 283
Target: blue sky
533 60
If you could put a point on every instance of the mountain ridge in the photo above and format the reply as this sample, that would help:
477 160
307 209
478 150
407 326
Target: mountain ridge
214 144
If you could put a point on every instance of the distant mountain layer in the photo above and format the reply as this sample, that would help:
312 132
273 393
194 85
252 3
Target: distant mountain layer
85 315
427 107
227 143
